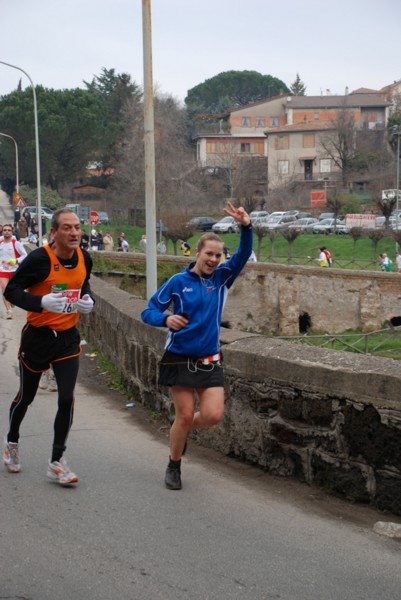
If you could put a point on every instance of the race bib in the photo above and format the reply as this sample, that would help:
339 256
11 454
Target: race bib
70 297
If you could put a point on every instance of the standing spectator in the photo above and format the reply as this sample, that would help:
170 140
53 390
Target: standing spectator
23 228
94 240
108 242
33 224
27 216
185 248
84 245
322 260
192 362
50 336
142 244
124 243
12 253
328 256
17 216
100 243
386 264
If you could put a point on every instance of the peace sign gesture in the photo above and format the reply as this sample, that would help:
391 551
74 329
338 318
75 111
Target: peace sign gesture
239 214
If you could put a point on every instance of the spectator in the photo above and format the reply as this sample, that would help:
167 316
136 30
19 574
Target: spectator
123 243
185 248
142 244
108 242
23 228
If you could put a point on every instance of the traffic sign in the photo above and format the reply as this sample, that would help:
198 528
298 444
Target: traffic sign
94 218
21 203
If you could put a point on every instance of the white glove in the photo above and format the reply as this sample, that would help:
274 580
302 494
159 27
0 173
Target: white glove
53 302
85 304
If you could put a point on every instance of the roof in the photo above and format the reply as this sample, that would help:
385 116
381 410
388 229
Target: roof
301 127
351 100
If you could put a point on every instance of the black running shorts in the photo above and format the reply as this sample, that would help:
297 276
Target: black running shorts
41 346
186 371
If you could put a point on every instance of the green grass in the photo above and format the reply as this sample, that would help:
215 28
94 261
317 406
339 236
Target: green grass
345 253
384 343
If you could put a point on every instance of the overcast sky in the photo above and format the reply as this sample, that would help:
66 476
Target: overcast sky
332 45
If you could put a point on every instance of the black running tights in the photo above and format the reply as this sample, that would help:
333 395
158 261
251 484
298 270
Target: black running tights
66 372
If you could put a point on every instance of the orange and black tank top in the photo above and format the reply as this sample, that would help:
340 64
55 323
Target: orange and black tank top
69 282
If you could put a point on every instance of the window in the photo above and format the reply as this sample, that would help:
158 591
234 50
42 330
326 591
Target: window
246 148
282 167
258 148
316 116
260 121
281 142
246 121
210 148
325 165
273 121
309 140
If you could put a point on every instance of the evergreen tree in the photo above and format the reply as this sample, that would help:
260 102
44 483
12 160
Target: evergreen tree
298 88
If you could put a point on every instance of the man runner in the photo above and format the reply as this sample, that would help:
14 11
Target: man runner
52 284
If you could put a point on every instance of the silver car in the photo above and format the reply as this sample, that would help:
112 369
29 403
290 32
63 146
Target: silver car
226 225
305 225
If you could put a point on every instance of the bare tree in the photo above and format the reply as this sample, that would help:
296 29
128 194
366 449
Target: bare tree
356 233
273 236
260 233
290 235
386 207
375 235
177 228
339 142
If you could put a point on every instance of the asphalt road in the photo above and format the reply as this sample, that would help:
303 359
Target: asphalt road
232 532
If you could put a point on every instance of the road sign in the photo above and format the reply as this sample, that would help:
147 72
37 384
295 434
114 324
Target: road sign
94 218
20 203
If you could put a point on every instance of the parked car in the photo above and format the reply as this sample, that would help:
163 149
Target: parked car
257 214
202 223
103 217
326 226
304 215
278 222
226 225
46 212
277 213
260 222
305 225
326 215
292 213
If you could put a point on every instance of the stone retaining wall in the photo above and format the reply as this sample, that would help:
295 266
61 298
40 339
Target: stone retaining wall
322 416
275 296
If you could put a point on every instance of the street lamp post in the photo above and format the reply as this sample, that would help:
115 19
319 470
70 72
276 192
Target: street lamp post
38 184
16 159
397 131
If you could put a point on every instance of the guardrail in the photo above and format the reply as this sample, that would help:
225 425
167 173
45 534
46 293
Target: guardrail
380 342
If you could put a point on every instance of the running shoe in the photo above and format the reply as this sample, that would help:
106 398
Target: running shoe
60 472
11 456
9 314
173 476
51 382
44 381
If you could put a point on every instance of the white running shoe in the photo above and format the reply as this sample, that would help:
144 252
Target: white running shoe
9 314
44 381
60 472
11 456
51 382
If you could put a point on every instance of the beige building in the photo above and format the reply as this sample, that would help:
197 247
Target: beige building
291 132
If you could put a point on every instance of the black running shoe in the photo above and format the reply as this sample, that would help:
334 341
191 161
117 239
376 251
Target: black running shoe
173 477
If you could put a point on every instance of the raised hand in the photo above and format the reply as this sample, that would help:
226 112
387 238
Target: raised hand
239 214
